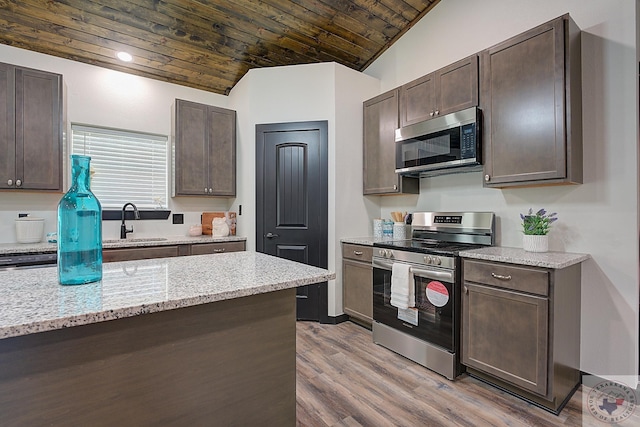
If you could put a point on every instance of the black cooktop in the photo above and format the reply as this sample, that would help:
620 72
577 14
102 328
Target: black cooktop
427 246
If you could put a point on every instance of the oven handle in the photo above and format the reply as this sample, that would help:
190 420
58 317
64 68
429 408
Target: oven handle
420 272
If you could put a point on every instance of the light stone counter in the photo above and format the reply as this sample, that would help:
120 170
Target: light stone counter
33 301
131 242
556 260
366 241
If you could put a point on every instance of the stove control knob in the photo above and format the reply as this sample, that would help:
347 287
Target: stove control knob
381 252
436 260
390 254
427 259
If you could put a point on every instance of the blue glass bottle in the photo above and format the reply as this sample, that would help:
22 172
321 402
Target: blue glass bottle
79 229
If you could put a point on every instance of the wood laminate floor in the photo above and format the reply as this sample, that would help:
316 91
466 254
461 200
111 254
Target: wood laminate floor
344 379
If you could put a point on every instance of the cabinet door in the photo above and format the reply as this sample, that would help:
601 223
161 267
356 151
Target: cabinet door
457 86
38 130
379 169
7 127
505 334
222 151
217 248
357 288
523 101
191 168
418 100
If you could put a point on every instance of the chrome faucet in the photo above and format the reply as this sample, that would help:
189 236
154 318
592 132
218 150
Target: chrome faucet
123 228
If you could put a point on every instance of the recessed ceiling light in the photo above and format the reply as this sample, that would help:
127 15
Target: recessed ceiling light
124 56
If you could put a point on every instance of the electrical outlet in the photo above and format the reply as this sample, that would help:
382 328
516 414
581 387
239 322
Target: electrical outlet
178 218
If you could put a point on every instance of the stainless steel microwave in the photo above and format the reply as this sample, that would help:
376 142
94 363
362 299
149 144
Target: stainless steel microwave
446 144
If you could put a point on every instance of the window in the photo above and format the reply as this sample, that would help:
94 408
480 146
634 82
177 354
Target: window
125 166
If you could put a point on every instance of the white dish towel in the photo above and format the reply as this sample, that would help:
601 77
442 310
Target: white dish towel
402 286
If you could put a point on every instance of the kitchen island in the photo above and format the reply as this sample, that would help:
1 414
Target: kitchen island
197 340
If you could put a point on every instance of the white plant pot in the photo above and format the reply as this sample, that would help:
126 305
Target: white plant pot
535 243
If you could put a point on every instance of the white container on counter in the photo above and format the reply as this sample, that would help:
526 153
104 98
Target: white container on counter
29 229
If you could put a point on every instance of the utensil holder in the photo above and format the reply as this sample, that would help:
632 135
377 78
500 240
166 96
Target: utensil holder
399 231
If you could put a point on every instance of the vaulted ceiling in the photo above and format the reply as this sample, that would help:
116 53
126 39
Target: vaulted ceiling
208 44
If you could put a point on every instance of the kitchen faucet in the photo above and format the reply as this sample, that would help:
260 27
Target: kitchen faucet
123 228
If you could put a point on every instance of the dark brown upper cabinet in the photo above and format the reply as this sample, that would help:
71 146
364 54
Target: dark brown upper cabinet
380 124
532 106
31 122
452 88
205 150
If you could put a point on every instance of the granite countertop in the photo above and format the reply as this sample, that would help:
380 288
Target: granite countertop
33 301
366 241
26 248
519 256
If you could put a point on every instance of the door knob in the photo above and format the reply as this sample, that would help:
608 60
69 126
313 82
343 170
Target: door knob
271 235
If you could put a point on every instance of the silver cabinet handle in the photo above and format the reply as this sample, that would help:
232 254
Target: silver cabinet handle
205 190
487 178
466 290
357 253
500 276
18 183
437 112
395 186
217 251
431 114
10 182
210 190
271 235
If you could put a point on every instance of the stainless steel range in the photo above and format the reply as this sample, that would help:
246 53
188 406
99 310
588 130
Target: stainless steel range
425 325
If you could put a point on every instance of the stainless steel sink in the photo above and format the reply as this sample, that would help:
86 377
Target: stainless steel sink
137 240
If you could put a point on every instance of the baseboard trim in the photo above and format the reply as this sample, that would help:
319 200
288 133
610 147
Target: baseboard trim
334 320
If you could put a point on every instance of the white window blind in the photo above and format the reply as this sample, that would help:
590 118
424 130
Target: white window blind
126 166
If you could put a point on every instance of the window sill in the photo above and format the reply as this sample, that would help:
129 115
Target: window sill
116 214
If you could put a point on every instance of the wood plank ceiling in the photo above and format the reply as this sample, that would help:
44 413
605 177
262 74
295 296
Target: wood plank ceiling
208 44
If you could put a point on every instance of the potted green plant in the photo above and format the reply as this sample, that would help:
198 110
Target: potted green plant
536 227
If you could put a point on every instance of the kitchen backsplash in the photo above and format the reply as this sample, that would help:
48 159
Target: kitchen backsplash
44 205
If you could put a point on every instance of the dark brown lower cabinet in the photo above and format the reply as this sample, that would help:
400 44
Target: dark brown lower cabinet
357 283
130 254
521 329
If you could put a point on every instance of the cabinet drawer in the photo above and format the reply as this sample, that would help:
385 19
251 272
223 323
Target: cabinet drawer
216 248
129 254
530 280
357 252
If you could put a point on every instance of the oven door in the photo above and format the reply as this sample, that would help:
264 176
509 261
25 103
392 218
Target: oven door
434 318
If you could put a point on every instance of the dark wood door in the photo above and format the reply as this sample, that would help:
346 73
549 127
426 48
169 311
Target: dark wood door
457 86
291 202
191 149
418 100
222 151
506 334
38 130
7 127
523 100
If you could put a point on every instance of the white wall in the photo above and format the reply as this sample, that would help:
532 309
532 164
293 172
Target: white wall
102 97
599 217
328 92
